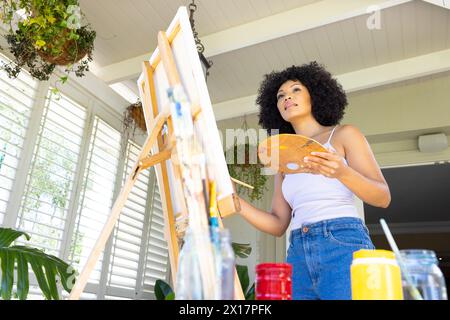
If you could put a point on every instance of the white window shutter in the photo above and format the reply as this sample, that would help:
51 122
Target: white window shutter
96 197
128 234
156 260
51 177
16 101
65 174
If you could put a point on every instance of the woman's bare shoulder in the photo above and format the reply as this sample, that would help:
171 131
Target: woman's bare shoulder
348 129
345 136
347 133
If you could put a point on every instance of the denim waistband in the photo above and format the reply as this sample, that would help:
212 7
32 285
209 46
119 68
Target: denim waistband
323 226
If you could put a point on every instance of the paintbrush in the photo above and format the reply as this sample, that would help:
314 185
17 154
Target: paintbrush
412 289
242 183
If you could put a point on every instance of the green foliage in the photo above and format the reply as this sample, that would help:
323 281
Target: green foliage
242 250
242 272
246 167
50 34
48 269
163 291
250 295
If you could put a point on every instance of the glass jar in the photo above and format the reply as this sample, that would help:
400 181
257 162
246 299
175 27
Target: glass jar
227 266
189 280
425 275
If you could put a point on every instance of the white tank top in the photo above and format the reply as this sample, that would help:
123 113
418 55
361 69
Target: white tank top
315 198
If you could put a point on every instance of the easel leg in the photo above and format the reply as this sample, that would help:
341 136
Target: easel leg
150 106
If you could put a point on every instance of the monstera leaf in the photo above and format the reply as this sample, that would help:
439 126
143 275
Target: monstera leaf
45 267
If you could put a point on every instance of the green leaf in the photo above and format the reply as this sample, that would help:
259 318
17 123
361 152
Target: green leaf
163 290
250 295
170 296
22 277
7 236
50 272
47 268
40 43
7 265
68 276
243 276
40 276
242 250
51 19
64 79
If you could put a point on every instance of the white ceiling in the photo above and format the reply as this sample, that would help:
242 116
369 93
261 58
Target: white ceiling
409 30
128 28
333 32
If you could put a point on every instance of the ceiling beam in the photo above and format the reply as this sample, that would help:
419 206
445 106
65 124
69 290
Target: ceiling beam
273 27
402 70
441 3
293 21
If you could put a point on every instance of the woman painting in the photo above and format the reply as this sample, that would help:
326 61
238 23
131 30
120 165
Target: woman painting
318 203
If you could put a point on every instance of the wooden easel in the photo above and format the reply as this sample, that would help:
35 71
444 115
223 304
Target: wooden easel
163 149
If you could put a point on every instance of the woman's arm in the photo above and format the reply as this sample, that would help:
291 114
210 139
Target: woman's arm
277 221
362 175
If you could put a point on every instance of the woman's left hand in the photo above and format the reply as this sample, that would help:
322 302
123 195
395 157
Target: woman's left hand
328 164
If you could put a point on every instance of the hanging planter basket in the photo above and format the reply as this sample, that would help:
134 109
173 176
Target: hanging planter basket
248 171
64 58
47 34
246 167
70 54
134 117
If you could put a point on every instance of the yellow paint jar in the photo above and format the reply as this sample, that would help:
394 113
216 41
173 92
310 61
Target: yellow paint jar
375 275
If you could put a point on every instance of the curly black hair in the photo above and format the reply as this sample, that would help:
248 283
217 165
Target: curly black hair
328 99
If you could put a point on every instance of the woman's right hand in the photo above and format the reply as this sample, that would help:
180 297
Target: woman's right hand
274 222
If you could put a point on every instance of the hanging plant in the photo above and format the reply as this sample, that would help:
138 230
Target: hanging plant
246 167
133 117
248 171
44 34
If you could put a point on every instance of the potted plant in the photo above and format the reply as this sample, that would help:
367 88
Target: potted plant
43 34
134 118
247 171
45 267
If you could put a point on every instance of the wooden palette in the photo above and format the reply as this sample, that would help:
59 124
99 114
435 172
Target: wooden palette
290 149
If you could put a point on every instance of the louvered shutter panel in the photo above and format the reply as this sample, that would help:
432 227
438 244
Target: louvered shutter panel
156 260
50 182
16 100
96 198
128 234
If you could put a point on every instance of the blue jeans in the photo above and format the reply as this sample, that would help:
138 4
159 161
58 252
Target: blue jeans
321 254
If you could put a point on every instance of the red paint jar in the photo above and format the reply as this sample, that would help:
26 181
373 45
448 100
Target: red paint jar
273 281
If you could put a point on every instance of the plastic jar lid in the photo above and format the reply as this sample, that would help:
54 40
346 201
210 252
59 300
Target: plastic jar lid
274 266
364 254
